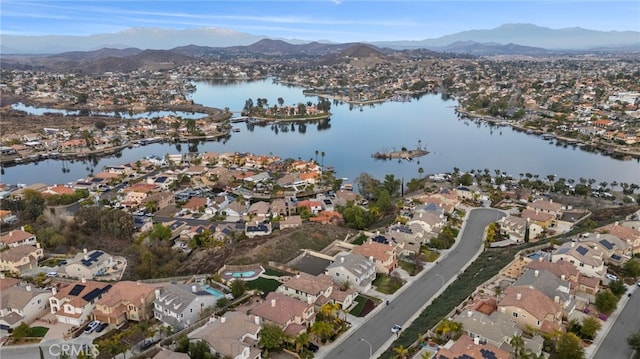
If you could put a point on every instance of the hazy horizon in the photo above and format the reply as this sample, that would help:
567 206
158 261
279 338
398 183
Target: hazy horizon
336 21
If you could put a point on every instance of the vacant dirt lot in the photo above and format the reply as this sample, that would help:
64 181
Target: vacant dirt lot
281 247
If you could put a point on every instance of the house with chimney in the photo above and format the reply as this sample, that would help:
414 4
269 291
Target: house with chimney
465 347
550 285
74 303
615 250
530 308
588 259
578 283
17 237
232 335
495 329
549 207
516 228
18 259
126 300
308 288
180 305
88 264
22 303
292 315
353 268
628 231
384 256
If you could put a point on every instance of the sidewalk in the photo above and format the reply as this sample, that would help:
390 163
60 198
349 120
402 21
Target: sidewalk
356 322
591 350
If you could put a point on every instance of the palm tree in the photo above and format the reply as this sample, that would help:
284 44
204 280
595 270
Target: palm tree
420 172
317 156
517 343
401 352
301 340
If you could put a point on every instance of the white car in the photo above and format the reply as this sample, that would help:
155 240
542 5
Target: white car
611 277
91 327
396 328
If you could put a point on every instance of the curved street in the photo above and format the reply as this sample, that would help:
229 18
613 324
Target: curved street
411 300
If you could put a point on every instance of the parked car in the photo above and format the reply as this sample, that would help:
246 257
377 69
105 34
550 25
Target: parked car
91 327
101 327
312 347
611 277
52 274
396 328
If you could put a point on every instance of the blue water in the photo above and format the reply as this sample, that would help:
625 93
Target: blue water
246 274
354 133
32 110
216 293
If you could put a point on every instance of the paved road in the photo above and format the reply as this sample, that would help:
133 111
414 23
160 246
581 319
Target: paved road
409 303
627 321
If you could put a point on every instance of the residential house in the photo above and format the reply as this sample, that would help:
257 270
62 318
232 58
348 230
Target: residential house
411 236
292 315
57 190
328 217
258 211
308 288
74 303
290 222
159 200
589 260
21 304
180 305
627 231
615 249
383 255
21 258
136 193
196 204
542 219
495 329
125 301
257 229
550 285
564 270
281 208
549 207
234 210
88 264
313 206
353 268
465 347
516 228
529 307
18 237
233 335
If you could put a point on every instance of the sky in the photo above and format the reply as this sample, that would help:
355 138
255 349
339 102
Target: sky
313 20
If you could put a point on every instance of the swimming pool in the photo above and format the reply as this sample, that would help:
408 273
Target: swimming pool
216 293
246 274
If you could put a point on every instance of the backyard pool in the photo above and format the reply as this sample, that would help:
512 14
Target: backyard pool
247 274
216 293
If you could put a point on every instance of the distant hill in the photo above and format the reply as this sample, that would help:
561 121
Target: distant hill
490 49
574 38
527 35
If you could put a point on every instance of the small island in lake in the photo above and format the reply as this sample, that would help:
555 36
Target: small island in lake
402 154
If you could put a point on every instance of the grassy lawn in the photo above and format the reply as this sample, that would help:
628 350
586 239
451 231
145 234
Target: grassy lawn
360 300
264 284
410 267
37 331
387 284
482 269
273 272
361 239
429 255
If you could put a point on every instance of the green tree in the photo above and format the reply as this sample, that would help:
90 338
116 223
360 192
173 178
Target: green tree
391 185
634 342
632 267
322 330
569 346
401 352
271 337
21 331
590 327
617 287
238 287
606 301
466 179
200 350
160 233
517 343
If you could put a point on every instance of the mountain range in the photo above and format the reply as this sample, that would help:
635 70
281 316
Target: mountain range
513 35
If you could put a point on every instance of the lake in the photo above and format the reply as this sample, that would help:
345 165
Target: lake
354 133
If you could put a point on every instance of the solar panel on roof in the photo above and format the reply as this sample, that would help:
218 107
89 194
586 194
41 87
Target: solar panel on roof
582 250
616 257
606 244
77 289
92 295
